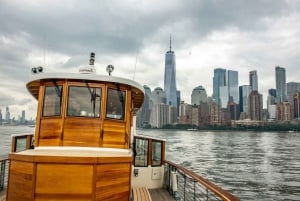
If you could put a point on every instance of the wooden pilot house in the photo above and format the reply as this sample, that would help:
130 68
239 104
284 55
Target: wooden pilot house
84 148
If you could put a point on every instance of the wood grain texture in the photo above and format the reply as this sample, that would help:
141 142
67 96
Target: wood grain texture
50 132
20 185
113 181
82 132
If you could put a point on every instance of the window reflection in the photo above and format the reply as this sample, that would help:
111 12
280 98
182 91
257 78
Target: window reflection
84 101
115 104
141 148
52 101
156 153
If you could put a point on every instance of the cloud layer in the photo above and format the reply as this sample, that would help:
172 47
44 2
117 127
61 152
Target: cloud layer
134 36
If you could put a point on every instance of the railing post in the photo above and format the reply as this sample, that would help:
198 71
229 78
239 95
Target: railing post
2 173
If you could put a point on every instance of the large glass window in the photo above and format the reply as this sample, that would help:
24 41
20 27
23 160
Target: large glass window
156 153
84 101
141 152
52 101
115 105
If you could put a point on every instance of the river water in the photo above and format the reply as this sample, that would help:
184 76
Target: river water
251 165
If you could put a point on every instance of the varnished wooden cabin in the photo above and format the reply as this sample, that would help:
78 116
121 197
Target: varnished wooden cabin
82 140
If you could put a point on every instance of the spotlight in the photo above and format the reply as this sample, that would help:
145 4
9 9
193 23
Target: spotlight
40 69
34 70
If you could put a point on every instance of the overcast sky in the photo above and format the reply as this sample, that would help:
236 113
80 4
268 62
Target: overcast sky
133 35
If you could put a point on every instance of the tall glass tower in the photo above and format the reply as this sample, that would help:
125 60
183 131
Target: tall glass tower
280 84
253 80
219 80
233 86
170 78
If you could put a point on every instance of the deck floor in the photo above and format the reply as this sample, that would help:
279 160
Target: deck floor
160 195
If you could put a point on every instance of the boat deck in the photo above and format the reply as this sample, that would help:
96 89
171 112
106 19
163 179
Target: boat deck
160 195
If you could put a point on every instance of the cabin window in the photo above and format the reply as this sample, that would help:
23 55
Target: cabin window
84 101
115 105
156 153
141 152
52 101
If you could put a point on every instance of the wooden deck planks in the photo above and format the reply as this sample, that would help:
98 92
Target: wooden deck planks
160 195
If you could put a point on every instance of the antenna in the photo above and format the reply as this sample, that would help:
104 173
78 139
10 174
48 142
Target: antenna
110 68
136 57
170 42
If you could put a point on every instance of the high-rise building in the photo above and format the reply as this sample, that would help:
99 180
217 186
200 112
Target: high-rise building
297 105
255 106
0 117
284 111
280 84
219 80
7 114
198 96
185 113
233 86
292 88
244 90
170 78
143 115
253 80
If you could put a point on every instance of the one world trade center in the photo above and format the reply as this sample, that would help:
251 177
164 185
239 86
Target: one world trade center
170 78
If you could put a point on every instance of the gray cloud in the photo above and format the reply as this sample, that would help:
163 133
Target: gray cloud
241 35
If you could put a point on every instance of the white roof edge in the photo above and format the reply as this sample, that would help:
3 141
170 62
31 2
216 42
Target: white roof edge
79 76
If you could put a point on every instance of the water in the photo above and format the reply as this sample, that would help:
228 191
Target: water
251 165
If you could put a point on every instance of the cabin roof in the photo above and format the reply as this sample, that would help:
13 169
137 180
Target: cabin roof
34 84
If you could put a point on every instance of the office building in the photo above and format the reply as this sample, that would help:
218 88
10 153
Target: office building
198 96
170 78
244 92
292 88
255 106
253 80
284 111
233 86
219 80
280 78
296 104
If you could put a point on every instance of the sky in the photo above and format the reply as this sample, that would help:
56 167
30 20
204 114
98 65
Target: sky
133 35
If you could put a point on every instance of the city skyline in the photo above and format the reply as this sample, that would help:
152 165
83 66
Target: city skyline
134 36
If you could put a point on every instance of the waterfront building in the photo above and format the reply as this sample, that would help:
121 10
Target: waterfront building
198 96
255 106
170 78
244 92
214 112
233 86
234 110
219 80
7 115
185 113
271 104
253 80
284 111
296 105
280 78
272 112
143 115
292 88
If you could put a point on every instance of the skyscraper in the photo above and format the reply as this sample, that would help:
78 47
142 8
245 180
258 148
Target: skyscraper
233 86
280 84
255 106
245 90
219 80
198 96
170 77
253 80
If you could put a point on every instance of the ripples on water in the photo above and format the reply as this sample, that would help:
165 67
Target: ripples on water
251 165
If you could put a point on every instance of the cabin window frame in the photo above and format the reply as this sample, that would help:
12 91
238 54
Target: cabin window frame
155 164
143 153
48 95
79 103
115 109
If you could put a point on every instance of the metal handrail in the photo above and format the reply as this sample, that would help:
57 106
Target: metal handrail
4 162
191 186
